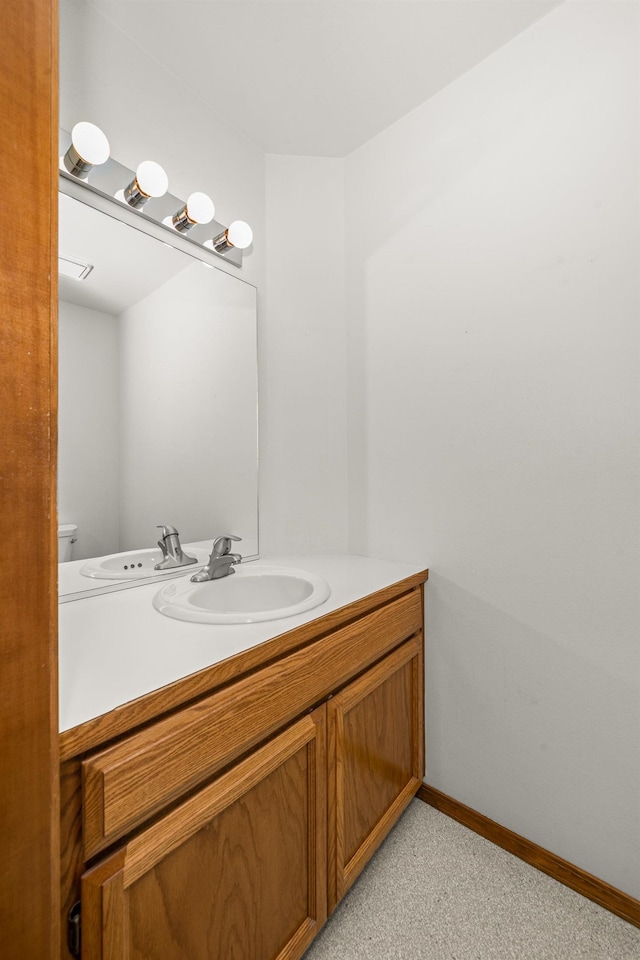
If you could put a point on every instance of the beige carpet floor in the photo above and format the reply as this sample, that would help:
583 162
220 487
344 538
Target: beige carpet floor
437 891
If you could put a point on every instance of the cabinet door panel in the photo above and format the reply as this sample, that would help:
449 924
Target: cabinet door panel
237 872
376 760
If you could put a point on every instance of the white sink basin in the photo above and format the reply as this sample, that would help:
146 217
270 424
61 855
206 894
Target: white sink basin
251 594
139 564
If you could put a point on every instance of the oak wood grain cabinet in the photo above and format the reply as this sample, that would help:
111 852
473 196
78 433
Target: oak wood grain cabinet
237 870
229 827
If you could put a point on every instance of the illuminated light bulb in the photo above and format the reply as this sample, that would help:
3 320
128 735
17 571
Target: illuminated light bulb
239 235
89 148
199 208
150 181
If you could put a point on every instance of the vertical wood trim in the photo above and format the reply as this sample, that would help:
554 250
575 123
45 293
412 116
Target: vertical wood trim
317 841
417 680
318 817
28 396
115 940
335 762
71 864
96 906
423 682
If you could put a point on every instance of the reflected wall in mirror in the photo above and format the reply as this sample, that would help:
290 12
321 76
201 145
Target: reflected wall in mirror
157 395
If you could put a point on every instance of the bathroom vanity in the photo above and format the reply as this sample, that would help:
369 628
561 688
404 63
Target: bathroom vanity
222 785
225 812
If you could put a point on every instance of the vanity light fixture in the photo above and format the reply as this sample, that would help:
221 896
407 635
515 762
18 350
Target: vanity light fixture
150 181
239 234
85 158
199 208
89 148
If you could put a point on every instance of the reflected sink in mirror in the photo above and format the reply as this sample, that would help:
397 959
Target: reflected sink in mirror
139 565
250 595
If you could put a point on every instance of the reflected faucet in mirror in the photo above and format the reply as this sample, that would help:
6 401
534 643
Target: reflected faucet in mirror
172 552
220 562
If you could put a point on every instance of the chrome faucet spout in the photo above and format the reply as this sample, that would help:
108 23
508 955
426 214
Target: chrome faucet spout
220 562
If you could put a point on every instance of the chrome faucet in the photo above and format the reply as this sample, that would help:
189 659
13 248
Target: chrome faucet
172 552
221 561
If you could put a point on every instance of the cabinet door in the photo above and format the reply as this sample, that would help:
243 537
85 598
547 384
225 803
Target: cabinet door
375 760
236 872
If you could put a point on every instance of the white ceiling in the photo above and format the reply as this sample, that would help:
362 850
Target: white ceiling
318 77
115 252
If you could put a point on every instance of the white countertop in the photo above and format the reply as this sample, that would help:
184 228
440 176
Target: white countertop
115 647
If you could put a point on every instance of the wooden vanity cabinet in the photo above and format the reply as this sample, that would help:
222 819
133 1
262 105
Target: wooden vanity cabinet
236 871
185 841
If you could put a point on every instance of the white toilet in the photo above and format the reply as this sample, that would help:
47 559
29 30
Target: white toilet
67 536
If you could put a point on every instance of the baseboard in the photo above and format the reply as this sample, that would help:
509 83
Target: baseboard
579 880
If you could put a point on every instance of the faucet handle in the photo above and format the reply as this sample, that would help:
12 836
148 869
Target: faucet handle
222 545
167 530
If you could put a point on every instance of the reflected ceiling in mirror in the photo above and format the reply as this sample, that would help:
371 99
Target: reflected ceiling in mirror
157 396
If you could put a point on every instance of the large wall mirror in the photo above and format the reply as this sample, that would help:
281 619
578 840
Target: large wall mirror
157 394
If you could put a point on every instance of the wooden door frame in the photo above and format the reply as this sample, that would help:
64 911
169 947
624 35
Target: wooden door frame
29 815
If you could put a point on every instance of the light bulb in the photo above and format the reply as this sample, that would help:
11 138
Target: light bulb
238 235
199 208
89 148
150 181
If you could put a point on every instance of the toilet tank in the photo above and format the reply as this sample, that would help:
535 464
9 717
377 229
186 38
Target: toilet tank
67 536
